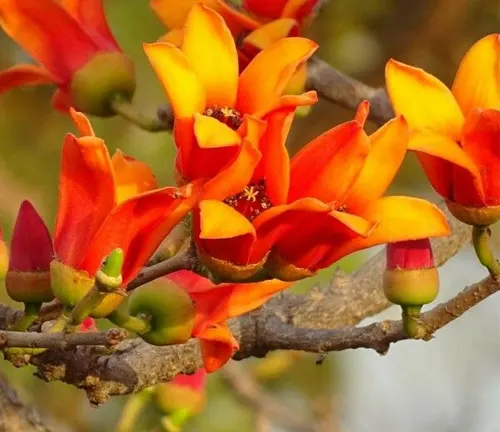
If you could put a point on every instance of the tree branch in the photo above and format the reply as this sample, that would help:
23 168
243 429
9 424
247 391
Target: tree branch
343 90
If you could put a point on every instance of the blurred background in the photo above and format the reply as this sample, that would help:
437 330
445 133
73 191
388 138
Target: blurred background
449 384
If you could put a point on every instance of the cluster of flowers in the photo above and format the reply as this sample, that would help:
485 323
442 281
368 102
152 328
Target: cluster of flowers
260 220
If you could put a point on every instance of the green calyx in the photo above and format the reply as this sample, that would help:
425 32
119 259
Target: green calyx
281 269
476 216
109 276
411 287
107 76
167 308
29 287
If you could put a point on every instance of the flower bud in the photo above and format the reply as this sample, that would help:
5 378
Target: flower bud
411 278
476 216
108 75
184 393
70 286
168 308
28 277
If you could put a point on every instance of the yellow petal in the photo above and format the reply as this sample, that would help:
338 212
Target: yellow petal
211 133
219 221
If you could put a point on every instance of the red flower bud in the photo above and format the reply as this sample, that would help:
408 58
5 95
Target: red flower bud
28 278
411 279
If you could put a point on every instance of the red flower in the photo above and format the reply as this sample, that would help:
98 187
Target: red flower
68 38
324 205
215 304
274 9
107 203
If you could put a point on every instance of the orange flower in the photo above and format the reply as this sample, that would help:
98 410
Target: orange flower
77 52
325 204
456 133
107 203
216 128
215 304
251 34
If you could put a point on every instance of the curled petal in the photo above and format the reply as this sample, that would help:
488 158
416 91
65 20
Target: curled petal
132 177
20 75
81 122
217 346
269 33
477 83
172 13
206 37
184 89
86 196
423 100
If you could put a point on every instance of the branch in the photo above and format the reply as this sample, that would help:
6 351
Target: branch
61 340
252 394
343 90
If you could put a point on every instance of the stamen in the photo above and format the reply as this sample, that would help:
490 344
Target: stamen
227 115
251 201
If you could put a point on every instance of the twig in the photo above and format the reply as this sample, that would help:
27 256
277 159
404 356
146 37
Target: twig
251 393
346 91
109 339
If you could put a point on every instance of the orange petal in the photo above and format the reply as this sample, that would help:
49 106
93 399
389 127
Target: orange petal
138 226
211 133
362 112
299 9
424 101
172 13
81 122
20 75
237 174
328 166
206 37
86 196
91 16
38 26
481 137
219 221
269 33
275 164
387 152
173 37
217 346
477 83
438 154
239 23
184 89
356 224
394 216
132 176
265 78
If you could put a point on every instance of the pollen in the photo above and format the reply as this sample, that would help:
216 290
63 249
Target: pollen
227 115
251 201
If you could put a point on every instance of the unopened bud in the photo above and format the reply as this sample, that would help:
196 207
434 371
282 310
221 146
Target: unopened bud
168 308
105 77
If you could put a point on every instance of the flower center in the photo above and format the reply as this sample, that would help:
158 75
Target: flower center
251 201
229 116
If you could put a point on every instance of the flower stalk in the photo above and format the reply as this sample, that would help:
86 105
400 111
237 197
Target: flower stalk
129 112
480 240
31 311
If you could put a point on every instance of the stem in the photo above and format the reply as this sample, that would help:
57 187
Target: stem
174 421
124 320
129 112
480 240
86 305
132 410
31 311
412 324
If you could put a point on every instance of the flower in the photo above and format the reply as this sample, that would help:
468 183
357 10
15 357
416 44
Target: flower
299 217
251 34
217 112
455 133
28 278
104 204
75 48
299 10
215 304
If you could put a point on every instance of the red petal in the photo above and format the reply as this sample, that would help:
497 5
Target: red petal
217 346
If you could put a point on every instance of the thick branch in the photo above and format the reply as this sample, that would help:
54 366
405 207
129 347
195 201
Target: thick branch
346 91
